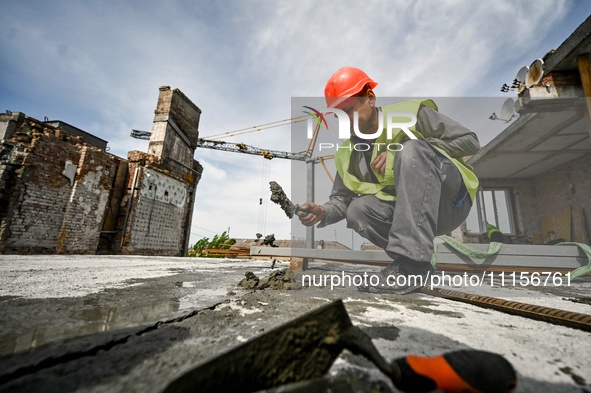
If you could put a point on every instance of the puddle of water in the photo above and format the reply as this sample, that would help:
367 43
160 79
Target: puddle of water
40 323
200 298
83 319
31 323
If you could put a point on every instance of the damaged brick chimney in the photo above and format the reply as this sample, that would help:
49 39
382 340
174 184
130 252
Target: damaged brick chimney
175 130
162 182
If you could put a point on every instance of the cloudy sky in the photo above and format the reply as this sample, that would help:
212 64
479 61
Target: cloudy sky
98 64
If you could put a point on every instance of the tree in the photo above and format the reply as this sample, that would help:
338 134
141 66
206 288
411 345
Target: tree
220 242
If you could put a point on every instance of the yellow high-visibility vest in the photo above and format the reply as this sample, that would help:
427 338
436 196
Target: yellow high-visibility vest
385 188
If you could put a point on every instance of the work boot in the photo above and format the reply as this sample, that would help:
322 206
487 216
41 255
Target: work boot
391 269
412 276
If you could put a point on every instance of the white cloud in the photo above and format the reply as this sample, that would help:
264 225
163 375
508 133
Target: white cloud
412 48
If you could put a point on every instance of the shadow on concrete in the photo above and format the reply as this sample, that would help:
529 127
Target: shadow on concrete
82 362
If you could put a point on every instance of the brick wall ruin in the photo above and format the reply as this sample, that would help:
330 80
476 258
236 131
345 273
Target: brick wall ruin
59 194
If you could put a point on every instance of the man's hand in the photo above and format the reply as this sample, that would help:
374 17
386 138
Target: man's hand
310 214
379 164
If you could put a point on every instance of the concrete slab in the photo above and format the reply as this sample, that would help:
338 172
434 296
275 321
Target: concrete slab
131 324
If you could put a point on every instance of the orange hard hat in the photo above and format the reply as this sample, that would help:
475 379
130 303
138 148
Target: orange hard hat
345 83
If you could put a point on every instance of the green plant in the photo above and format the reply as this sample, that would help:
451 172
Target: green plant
220 242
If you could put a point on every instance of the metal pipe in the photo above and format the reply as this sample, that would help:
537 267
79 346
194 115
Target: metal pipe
310 198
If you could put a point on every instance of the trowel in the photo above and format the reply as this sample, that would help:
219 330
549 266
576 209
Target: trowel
306 347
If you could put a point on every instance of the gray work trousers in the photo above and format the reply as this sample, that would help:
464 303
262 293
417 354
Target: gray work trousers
428 191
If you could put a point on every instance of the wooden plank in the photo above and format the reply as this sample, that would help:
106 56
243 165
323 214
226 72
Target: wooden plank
565 223
584 66
225 252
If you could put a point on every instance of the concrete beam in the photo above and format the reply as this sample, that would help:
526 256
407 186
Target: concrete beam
510 255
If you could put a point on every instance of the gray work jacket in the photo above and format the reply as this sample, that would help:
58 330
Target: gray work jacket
438 130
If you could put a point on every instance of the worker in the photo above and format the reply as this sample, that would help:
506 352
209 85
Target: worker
398 199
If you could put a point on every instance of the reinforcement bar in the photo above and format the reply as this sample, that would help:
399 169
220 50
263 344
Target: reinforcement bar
546 314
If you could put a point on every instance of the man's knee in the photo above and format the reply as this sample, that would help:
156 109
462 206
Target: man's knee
368 211
357 214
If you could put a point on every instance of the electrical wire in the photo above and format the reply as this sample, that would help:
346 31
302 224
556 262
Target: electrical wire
274 124
205 229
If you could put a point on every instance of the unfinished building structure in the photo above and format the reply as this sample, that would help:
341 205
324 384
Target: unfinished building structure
536 174
61 192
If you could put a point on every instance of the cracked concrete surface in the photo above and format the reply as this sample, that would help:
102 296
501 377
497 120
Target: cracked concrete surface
133 324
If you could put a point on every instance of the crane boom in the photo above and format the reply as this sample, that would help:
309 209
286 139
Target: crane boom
247 149
236 147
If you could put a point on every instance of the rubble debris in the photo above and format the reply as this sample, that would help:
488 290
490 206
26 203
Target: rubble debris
250 282
280 279
269 240
278 196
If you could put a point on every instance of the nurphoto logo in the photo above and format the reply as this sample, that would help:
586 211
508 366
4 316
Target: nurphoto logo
394 121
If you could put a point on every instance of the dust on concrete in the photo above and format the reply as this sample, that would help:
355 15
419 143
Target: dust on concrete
279 279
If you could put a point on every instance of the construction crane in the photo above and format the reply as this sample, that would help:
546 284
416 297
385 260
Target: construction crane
247 149
236 148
